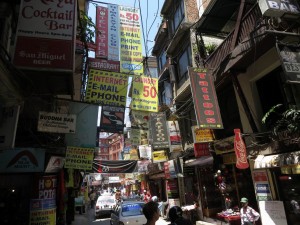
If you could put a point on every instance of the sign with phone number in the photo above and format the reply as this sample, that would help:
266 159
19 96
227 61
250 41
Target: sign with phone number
144 94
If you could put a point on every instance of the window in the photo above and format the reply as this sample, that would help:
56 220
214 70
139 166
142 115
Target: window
178 15
184 61
162 60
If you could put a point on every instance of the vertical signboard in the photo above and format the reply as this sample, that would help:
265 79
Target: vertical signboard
102 32
160 137
113 32
49 44
144 94
205 99
175 137
130 41
262 187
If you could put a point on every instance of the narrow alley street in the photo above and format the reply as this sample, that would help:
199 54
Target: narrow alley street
88 218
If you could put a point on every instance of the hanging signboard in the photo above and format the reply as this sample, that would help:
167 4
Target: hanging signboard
102 34
107 88
159 156
201 149
290 61
113 32
144 94
56 122
139 119
145 151
79 158
159 130
103 64
202 135
205 99
112 119
175 137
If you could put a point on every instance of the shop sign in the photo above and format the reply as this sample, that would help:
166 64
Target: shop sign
56 123
143 166
103 64
102 32
112 119
42 211
55 164
240 150
175 137
159 156
202 135
201 149
290 61
47 187
145 151
79 158
166 170
159 130
172 189
139 119
278 8
225 145
205 99
229 158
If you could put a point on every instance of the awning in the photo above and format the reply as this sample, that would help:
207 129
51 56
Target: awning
202 161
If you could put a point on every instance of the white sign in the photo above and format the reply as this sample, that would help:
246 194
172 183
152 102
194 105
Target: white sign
56 123
272 213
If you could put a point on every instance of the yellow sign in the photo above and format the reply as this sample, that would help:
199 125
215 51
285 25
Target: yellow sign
107 88
144 94
202 135
131 59
79 158
159 156
47 216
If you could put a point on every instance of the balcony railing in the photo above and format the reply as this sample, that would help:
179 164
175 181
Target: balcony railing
252 21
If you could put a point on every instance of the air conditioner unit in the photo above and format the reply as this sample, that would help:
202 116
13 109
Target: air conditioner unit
287 9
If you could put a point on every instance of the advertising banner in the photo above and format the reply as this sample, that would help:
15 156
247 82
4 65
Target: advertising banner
159 156
202 135
79 158
144 94
56 122
49 44
23 160
139 119
160 136
112 119
113 32
290 61
115 166
102 34
130 41
103 64
145 152
107 88
240 150
205 99
42 211
175 137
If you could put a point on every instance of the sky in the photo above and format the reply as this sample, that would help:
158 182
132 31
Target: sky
150 16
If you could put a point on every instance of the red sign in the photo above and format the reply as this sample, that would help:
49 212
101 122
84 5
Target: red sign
259 176
201 149
102 34
240 150
167 170
103 64
205 99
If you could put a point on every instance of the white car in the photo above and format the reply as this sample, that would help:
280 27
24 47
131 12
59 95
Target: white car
128 213
104 206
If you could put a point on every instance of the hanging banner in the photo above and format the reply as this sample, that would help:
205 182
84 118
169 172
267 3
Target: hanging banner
56 122
79 158
290 61
130 41
240 150
159 130
112 119
107 88
113 32
102 32
159 156
46 35
115 166
139 119
202 135
205 99
175 137
144 94
103 64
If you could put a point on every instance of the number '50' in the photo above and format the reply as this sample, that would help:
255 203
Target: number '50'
149 91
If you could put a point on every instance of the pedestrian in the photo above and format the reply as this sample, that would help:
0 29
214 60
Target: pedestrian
92 199
175 216
147 196
248 214
151 212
